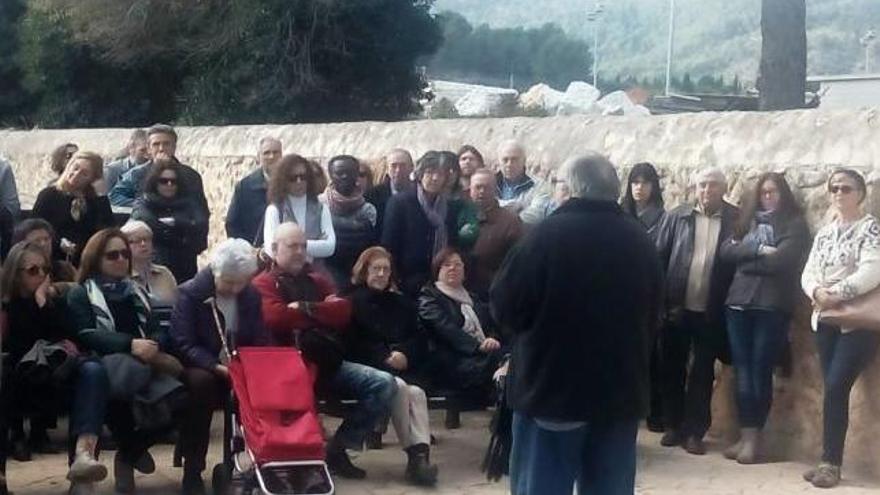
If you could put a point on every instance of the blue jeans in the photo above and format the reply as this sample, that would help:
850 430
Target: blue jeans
90 399
601 458
843 357
373 390
757 339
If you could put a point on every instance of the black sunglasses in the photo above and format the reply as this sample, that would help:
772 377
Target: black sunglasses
35 270
166 181
115 254
298 178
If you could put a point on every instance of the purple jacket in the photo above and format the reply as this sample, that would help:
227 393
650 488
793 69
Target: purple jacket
194 331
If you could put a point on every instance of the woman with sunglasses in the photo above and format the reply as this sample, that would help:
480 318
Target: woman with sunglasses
76 205
110 314
769 246
844 264
32 313
178 222
293 197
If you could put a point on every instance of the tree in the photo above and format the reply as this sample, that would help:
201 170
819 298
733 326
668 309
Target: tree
13 98
783 72
250 61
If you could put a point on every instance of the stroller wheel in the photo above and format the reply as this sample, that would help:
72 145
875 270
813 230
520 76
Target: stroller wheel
221 480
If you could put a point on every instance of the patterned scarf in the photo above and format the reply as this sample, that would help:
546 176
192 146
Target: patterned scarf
762 231
101 289
436 214
78 207
344 205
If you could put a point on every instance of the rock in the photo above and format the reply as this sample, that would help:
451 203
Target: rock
579 98
619 103
485 103
542 96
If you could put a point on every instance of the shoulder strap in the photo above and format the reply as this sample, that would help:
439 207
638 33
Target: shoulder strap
220 330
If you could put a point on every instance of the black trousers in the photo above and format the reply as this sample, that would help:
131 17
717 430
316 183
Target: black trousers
687 390
207 392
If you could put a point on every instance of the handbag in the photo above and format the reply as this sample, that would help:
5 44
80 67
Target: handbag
322 348
862 312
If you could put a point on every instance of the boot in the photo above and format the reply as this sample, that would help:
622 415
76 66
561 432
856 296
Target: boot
750 444
123 474
4 490
40 443
192 483
21 452
339 463
85 467
826 476
419 470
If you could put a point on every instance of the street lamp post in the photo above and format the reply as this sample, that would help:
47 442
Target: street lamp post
593 17
868 42
669 46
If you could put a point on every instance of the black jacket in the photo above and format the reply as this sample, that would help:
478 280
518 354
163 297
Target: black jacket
53 206
675 244
579 298
772 281
378 196
176 246
384 321
409 236
27 323
244 220
455 360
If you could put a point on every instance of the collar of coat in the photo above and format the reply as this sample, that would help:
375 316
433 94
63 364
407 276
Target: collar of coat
525 183
583 205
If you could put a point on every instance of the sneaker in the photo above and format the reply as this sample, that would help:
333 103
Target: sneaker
826 476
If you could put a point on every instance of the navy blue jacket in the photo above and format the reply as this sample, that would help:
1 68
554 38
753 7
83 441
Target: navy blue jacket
409 236
244 220
194 331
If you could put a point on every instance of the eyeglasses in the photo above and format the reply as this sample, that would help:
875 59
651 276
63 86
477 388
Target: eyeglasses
298 178
35 270
841 189
115 254
167 181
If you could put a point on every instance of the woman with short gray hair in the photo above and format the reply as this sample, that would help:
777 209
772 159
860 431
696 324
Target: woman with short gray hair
156 280
217 311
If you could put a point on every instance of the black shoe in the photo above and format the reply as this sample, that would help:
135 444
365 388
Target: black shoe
123 474
374 440
670 439
695 446
655 425
21 452
339 464
192 484
145 463
40 443
419 470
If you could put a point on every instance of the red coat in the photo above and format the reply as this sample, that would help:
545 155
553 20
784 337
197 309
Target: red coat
330 311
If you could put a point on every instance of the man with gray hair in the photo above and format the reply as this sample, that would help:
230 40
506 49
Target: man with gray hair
579 297
697 281
515 188
244 219
399 167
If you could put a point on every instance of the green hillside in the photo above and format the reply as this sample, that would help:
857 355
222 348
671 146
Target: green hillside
712 36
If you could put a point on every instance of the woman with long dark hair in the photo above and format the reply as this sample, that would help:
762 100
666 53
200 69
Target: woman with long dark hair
644 198
769 247
179 224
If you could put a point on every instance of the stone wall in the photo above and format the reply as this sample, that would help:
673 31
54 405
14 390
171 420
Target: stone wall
806 145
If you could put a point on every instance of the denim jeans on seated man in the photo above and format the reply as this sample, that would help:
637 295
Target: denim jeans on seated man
373 390
550 458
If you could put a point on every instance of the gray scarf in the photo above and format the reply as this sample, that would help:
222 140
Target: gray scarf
436 214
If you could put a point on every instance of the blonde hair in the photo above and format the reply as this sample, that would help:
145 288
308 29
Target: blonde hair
95 165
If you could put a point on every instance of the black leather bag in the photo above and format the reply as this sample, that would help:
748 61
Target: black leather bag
321 347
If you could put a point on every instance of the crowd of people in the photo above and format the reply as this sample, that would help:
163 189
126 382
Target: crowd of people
445 276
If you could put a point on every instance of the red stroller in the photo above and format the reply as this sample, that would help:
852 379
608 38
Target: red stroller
273 441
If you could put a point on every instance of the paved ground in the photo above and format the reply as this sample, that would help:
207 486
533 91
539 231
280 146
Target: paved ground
661 471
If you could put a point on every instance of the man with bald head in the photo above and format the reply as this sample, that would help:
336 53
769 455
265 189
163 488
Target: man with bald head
398 168
515 188
244 220
301 309
697 281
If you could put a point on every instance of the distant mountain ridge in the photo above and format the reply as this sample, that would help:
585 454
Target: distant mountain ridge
712 36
